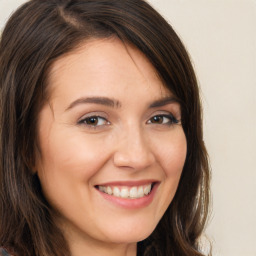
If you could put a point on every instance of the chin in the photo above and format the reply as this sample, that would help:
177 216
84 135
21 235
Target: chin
130 234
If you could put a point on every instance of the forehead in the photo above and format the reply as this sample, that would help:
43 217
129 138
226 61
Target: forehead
106 67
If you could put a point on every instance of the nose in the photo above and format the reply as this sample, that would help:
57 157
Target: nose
133 151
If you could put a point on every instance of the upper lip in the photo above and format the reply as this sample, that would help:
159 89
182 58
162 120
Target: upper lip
128 183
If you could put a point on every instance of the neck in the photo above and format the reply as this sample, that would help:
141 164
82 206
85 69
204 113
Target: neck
99 249
83 244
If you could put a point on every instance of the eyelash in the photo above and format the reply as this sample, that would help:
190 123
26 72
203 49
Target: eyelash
171 120
170 117
85 121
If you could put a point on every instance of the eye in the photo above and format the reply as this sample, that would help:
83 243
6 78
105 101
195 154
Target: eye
94 121
163 119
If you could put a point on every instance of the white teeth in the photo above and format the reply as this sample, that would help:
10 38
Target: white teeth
140 192
133 192
147 189
109 190
116 191
101 188
125 192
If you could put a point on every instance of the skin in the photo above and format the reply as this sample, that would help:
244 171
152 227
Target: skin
124 144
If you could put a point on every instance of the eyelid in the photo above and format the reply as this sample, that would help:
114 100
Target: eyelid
173 109
174 113
93 114
173 119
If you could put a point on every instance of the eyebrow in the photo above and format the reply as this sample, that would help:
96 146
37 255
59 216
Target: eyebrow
163 102
95 100
116 104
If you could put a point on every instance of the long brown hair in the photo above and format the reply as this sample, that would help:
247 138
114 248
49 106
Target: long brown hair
34 37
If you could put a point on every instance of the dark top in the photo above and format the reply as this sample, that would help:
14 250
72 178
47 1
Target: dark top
4 252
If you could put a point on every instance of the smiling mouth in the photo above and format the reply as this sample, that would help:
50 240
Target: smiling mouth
132 192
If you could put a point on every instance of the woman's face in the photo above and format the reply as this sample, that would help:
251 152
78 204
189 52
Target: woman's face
112 144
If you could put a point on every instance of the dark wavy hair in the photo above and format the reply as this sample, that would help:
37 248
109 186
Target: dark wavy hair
37 34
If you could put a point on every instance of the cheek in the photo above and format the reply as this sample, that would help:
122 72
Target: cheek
72 152
172 154
69 161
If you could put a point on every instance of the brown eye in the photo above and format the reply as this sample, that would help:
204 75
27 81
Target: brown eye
163 119
94 121
157 120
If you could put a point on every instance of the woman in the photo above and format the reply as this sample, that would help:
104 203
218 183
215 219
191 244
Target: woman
101 133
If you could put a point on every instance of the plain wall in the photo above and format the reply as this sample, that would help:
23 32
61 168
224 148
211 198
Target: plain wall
221 38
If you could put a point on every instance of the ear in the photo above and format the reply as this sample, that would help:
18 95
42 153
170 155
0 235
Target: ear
31 165
36 161
33 170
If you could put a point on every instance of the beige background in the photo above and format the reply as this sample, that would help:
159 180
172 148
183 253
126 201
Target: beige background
221 38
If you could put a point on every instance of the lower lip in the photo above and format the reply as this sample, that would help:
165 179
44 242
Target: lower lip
131 203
